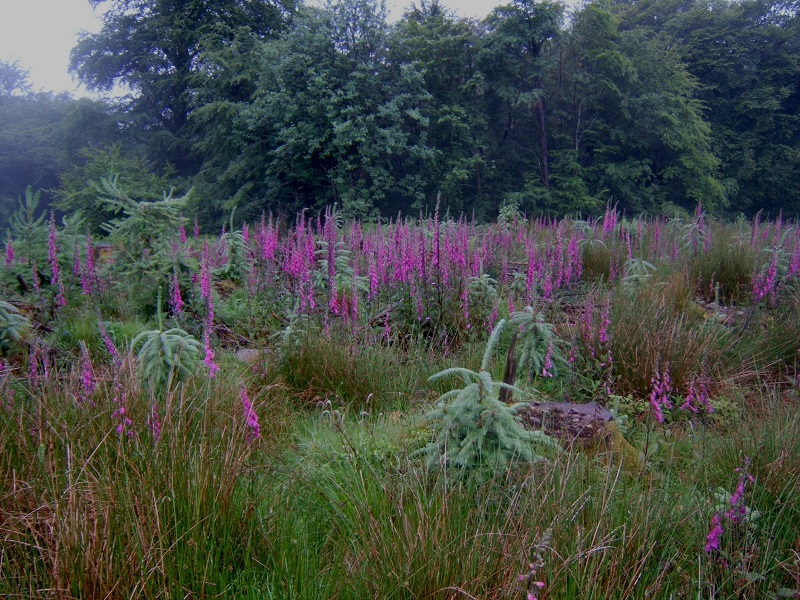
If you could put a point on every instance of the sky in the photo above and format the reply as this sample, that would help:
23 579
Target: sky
39 34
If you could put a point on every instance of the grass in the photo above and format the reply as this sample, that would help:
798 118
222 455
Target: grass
336 506
332 500
96 514
665 331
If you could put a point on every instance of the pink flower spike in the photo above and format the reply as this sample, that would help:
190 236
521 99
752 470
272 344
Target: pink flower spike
205 273
250 416
208 361
547 369
175 297
52 251
713 538
87 374
9 253
112 349
155 424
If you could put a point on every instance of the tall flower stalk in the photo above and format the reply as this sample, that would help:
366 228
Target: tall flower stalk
250 417
52 256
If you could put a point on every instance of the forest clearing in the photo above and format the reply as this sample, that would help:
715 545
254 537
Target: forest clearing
311 409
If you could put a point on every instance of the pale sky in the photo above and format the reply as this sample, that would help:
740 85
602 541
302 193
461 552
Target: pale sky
39 34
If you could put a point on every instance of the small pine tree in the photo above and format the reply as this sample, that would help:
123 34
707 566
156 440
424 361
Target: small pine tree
167 356
539 346
476 428
13 326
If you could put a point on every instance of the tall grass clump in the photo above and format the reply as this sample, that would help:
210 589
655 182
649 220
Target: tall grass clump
359 375
773 335
162 509
654 327
723 271
753 552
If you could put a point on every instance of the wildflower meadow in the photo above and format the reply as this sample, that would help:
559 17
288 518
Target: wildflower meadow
309 407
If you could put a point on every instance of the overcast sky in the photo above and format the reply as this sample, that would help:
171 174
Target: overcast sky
39 34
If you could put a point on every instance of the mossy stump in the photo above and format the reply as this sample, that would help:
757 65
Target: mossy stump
589 428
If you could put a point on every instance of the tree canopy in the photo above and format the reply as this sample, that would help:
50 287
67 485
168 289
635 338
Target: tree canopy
158 49
652 105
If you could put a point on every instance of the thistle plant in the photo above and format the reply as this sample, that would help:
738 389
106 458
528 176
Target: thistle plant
165 356
476 429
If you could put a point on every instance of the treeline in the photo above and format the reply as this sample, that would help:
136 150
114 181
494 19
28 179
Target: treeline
653 105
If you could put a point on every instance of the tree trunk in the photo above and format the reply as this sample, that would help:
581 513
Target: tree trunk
545 159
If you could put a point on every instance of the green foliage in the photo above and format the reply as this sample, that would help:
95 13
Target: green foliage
13 79
343 121
476 429
83 190
166 357
443 47
537 343
140 221
281 105
155 51
744 55
29 230
13 327
143 232
638 114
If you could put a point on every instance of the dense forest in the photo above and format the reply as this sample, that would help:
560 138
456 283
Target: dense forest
274 106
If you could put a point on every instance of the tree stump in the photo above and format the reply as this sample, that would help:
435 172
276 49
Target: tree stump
587 427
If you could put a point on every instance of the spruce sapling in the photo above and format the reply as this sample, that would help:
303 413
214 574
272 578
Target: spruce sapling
474 428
